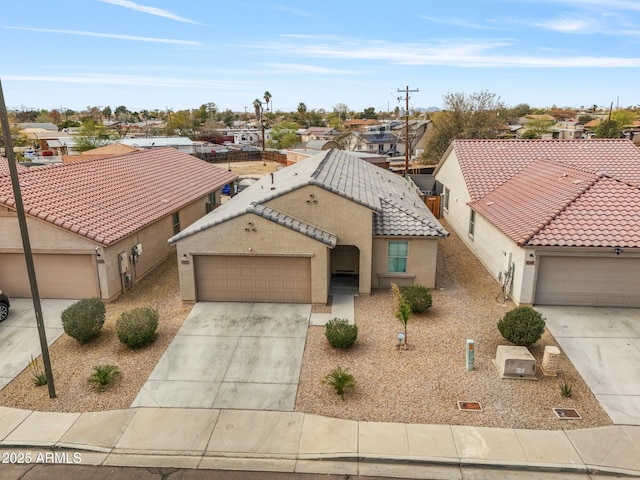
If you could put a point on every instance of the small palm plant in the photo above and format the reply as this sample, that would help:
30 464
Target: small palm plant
566 390
341 381
103 376
39 378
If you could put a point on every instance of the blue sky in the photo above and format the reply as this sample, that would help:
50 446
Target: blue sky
148 54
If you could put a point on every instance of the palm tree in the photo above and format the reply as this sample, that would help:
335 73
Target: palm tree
257 105
267 98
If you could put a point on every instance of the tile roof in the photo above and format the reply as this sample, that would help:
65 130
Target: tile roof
582 193
397 208
487 164
106 199
294 224
4 167
605 215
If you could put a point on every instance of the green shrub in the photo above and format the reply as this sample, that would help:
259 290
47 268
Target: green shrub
566 390
84 319
339 333
341 380
137 328
522 326
417 296
103 376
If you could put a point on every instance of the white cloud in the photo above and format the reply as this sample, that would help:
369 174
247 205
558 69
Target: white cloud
292 10
458 22
601 4
468 53
296 68
158 12
109 35
129 80
568 25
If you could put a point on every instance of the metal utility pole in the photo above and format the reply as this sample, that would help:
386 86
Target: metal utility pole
26 244
407 143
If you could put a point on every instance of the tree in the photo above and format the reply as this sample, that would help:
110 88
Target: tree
342 111
106 112
477 115
267 98
283 135
257 106
370 112
92 135
536 127
609 129
403 310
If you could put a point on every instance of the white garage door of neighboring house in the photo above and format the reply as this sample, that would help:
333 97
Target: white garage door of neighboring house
253 279
606 282
58 276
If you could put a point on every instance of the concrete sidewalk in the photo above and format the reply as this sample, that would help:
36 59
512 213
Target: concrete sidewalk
305 443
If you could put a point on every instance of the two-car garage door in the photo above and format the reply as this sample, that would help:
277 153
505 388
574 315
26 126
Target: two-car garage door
253 278
606 282
59 276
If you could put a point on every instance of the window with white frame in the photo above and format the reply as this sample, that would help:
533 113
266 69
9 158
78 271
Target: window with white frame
397 257
447 193
472 223
175 218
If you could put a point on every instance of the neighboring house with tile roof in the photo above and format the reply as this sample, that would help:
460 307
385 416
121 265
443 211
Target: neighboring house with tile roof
105 151
557 222
289 235
98 226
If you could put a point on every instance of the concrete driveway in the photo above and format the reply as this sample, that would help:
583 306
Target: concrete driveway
19 338
232 355
604 346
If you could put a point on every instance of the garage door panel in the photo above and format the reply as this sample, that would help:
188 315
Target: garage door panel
58 276
599 281
253 278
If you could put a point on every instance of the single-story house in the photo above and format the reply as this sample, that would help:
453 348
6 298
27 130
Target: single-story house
96 227
284 238
182 144
556 222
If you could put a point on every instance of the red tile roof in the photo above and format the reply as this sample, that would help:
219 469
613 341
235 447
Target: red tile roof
582 193
106 199
487 164
527 202
4 166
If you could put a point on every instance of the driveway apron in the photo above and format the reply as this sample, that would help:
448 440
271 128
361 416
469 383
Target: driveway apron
232 355
604 345
19 337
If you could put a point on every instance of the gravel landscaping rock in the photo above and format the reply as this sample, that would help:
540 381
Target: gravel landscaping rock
424 383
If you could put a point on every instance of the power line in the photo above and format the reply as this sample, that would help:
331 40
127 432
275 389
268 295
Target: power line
406 128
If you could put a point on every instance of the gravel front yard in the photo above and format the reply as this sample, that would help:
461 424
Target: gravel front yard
419 385
423 383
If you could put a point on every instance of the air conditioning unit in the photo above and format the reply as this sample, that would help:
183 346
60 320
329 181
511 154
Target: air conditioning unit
515 362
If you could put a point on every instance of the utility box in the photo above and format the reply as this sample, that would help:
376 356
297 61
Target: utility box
515 362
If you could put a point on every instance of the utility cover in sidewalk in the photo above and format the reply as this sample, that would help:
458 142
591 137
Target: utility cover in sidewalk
567 414
470 406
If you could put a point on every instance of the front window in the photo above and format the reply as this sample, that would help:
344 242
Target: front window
175 218
472 223
398 257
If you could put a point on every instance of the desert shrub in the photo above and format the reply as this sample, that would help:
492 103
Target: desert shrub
83 320
341 380
103 376
137 328
339 333
522 326
417 296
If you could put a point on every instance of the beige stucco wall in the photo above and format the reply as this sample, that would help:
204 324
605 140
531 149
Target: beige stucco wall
349 221
421 262
269 238
48 238
488 243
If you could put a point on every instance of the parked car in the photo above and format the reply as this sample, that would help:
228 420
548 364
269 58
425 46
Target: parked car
4 306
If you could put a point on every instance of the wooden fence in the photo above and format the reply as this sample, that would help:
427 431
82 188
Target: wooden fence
433 204
233 157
